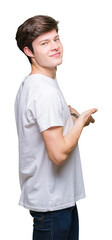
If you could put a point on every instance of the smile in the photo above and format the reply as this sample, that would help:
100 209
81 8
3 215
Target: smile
55 54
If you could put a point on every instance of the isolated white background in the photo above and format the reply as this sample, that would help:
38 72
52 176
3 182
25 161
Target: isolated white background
85 79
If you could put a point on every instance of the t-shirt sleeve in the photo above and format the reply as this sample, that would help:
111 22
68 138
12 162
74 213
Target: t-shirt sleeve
48 110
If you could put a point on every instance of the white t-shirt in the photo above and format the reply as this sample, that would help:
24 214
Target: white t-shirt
45 187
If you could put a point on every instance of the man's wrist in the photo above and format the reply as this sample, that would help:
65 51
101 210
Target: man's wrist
74 115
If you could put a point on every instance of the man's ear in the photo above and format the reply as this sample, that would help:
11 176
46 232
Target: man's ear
28 52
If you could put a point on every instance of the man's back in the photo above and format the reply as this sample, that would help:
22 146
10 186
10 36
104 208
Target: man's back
40 105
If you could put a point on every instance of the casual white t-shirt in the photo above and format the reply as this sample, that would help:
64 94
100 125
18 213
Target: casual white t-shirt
45 186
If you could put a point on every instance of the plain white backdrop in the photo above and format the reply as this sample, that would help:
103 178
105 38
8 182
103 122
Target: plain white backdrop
85 80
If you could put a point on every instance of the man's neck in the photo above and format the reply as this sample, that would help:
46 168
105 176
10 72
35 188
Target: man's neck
51 73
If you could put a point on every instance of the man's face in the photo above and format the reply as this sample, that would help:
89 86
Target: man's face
48 50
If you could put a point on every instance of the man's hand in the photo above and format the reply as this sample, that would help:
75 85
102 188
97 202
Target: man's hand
86 117
89 120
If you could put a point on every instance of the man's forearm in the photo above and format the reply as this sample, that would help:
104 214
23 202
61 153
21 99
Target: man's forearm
72 137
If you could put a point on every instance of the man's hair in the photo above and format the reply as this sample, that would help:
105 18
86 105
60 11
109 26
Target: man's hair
33 28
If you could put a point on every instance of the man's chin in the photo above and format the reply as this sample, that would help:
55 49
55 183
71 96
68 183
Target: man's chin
59 63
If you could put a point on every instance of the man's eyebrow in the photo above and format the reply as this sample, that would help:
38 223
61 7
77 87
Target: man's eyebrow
56 36
45 40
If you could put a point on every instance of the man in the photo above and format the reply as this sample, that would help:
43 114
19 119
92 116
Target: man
50 170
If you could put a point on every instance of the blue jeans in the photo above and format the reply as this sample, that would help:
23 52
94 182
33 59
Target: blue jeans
56 225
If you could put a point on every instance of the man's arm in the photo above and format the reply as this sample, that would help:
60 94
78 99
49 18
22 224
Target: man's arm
58 146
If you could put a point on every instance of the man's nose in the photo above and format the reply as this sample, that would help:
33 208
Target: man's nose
54 45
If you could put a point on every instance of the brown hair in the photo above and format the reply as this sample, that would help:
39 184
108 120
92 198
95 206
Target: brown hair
33 28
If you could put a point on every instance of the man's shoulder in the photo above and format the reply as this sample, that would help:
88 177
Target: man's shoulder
36 83
41 93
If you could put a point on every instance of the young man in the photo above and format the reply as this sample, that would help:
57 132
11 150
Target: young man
50 170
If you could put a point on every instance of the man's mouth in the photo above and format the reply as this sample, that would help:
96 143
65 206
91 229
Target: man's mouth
55 54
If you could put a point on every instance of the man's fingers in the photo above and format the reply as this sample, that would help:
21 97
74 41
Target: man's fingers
93 110
92 120
88 116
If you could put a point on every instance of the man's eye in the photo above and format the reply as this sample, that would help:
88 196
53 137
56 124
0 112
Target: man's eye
45 43
57 39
